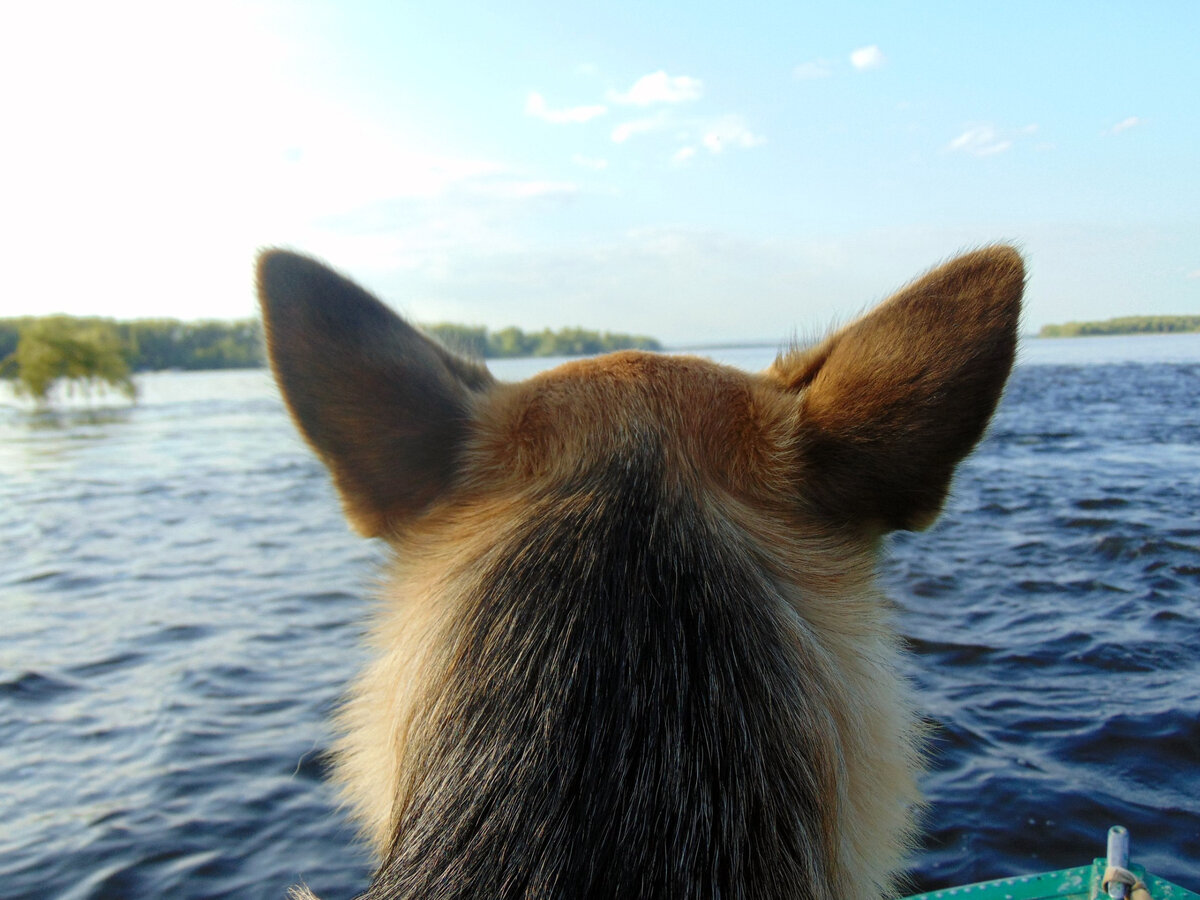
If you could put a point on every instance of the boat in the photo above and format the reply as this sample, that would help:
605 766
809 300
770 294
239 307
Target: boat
1111 876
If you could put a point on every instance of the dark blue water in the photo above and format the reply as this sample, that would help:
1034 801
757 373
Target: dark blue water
180 605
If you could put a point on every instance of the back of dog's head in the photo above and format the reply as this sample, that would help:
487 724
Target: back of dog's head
631 646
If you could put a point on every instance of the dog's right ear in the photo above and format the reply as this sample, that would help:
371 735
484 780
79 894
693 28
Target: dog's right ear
386 408
890 404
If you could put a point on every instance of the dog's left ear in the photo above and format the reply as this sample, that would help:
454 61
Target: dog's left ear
889 405
386 408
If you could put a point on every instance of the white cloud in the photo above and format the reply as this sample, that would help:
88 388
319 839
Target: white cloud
982 140
536 106
717 135
728 132
813 69
682 155
1126 124
1195 273
659 87
867 58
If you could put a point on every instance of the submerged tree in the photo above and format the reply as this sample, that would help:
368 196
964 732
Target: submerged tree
83 352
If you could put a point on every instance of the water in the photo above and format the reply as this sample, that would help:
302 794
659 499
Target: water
181 603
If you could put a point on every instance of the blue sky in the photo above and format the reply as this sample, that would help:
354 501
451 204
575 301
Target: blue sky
699 172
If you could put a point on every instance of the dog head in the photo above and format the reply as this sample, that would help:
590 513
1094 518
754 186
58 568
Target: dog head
867 425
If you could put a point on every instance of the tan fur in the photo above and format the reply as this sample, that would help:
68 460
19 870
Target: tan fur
408 631
795 474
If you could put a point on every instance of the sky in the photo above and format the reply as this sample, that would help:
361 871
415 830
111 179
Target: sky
697 172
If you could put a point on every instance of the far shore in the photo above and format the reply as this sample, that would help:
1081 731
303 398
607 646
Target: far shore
1125 325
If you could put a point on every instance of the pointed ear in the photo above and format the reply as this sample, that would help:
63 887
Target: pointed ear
890 404
386 408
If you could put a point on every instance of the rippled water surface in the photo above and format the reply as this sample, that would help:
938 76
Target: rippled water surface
180 604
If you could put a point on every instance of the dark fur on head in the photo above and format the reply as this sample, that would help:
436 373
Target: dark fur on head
632 646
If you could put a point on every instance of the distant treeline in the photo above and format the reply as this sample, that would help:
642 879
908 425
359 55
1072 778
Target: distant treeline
1124 325
476 340
153 344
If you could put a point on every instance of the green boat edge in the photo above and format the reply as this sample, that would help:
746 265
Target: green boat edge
1081 883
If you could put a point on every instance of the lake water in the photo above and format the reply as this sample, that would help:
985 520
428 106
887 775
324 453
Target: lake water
180 605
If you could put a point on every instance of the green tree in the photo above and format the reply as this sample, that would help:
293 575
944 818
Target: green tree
86 352
508 342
